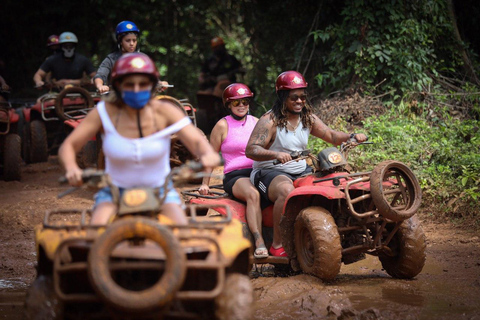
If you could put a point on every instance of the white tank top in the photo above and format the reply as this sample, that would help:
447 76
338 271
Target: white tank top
137 162
287 141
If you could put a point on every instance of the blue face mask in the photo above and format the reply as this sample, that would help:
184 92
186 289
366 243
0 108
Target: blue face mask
136 100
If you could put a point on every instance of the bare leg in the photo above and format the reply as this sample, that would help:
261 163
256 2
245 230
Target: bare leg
245 191
102 213
175 212
278 191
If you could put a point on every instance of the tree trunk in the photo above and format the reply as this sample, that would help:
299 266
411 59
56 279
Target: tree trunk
470 72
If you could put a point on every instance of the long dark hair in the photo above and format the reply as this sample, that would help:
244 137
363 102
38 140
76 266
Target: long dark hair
279 111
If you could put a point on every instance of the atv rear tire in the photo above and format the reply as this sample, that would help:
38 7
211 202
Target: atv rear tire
41 302
408 246
404 198
87 156
38 142
155 296
12 158
236 300
317 243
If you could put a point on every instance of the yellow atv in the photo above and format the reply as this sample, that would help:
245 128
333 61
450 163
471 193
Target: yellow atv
140 265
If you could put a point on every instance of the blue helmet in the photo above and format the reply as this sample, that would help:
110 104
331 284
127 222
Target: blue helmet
126 27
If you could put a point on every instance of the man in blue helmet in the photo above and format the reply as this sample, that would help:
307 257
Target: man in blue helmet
127 41
67 68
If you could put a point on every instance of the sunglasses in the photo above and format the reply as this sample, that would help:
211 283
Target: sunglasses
236 103
295 97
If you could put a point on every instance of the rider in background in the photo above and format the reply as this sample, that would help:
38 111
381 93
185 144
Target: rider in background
67 68
219 70
5 88
230 136
53 44
127 34
136 130
283 129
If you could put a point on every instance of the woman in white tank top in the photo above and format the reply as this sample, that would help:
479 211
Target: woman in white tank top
136 131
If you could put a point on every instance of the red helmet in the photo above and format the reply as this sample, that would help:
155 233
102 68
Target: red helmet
236 91
290 80
215 42
52 40
134 63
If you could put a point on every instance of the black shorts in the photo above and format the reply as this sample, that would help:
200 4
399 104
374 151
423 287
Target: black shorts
230 178
264 177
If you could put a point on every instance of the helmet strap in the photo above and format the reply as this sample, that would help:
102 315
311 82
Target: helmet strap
139 125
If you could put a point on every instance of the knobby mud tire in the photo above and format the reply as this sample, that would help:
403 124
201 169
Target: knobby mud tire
408 244
317 243
41 302
87 157
60 110
38 142
12 158
411 191
236 300
161 292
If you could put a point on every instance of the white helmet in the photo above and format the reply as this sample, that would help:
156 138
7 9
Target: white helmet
68 37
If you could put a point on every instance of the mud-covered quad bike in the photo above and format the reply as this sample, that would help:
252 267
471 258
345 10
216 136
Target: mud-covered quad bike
334 216
50 120
10 143
140 265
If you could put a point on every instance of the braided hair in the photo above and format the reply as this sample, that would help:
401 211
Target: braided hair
279 111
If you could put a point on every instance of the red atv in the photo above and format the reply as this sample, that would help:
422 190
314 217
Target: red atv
10 142
334 216
52 118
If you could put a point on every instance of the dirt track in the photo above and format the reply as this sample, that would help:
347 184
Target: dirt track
447 288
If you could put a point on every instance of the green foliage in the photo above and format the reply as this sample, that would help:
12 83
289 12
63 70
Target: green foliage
398 43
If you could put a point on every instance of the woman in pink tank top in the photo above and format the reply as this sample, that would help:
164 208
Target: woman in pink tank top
230 136
136 130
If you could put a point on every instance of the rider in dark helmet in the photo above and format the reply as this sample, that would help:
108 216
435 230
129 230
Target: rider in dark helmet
126 33
136 133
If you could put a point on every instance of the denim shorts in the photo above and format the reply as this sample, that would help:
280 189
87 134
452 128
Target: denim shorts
105 195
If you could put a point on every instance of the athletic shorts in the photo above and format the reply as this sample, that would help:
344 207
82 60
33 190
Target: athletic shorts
105 195
264 177
230 178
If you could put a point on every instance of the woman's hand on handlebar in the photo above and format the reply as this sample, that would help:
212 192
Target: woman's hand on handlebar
103 89
74 176
204 189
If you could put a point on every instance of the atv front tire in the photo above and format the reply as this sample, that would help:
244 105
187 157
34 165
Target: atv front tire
408 248
155 296
12 158
235 301
317 243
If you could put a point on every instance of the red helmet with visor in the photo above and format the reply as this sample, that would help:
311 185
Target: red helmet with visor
290 80
236 91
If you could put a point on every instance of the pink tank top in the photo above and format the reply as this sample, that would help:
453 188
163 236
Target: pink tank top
233 147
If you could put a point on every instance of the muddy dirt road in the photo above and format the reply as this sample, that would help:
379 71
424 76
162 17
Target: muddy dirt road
447 288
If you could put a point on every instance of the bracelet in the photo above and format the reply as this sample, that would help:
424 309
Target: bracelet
352 135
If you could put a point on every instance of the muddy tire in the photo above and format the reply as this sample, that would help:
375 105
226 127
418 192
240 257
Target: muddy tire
155 296
38 142
41 301
59 107
12 159
401 200
408 246
87 157
317 243
236 300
